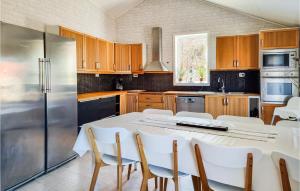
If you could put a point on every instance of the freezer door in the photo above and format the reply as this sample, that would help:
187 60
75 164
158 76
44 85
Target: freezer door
22 110
61 99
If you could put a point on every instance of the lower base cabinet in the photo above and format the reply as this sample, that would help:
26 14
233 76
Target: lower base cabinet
132 102
267 112
150 101
170 102
227 105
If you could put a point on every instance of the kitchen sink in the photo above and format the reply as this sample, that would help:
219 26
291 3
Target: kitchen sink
236 93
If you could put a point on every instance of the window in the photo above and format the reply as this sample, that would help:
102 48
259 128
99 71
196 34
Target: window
191 66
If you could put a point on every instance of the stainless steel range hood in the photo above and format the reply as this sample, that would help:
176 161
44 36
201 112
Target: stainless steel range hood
156 63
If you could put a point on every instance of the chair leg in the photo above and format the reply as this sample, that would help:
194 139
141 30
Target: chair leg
156 184
135 166
161 184
95 176
129 171
196 183
144 184
176 184
119 172
165 184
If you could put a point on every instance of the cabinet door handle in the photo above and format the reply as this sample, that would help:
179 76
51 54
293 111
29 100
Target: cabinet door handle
237 63
227 102
223 100
233 63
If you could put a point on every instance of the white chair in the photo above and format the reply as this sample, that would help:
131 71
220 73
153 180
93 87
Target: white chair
248 120
158 112
167 148
194 114
106 147
290 111
289 168
287 123
226 157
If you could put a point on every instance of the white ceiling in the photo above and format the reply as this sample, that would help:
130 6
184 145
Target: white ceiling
285 12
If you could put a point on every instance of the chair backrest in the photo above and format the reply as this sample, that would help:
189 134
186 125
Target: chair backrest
294 103
194 114
249 120
158 112
228 157
292 165
105 138
160 144
286 123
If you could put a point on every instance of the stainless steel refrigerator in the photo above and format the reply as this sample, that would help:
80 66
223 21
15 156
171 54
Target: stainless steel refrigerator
38 103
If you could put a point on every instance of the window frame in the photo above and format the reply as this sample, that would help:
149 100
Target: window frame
175 60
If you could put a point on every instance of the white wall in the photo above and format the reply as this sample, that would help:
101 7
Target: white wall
80 15
180 17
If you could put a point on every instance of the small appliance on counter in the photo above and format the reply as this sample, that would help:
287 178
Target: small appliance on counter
119 84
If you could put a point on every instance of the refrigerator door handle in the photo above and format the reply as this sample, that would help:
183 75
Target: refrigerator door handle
41 75
48 75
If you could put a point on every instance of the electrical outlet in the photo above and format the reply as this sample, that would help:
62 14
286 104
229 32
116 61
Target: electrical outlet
242 74
135 75
97 75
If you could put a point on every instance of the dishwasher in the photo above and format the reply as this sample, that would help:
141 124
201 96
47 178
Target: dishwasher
190 103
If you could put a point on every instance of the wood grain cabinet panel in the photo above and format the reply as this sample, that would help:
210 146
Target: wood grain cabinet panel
122 58
150 101
137 58
237 52
110 56
267 111
247 52
79 38
279 38
237 106
215 105
91 53
170 102
226 52
123 104
132 102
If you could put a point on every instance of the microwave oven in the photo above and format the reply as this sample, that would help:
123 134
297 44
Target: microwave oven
280 59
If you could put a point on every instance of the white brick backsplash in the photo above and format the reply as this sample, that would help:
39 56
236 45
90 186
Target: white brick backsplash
180 17
80 15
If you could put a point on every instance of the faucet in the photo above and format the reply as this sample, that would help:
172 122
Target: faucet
223 84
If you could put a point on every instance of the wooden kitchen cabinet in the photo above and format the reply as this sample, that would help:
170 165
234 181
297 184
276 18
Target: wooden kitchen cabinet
215 105
225 52
132 102
110 56
170 102
247 52
91 62
79 38
237 106
237 52
104 61
279 38
123 104
136 58
122 58
267 111
150 101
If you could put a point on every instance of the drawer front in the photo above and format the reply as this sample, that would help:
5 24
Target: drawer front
143 106
150 98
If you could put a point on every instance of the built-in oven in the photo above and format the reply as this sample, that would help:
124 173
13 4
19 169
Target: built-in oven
279 59
278 87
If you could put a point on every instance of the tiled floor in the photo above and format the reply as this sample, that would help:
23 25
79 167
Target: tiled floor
76 176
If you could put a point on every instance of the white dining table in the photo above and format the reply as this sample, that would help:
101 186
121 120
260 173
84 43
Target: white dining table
264 137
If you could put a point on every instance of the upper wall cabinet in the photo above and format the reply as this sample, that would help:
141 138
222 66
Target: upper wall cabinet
79 46
91 62
105 54
137 58
279 38
122 58
237 52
